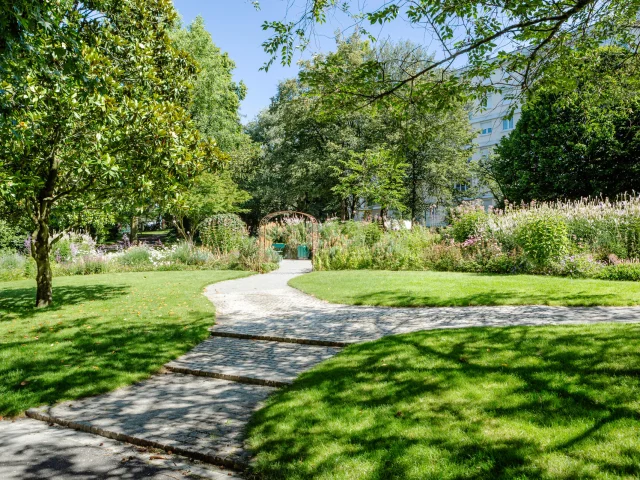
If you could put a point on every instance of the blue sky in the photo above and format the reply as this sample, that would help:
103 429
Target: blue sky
235 26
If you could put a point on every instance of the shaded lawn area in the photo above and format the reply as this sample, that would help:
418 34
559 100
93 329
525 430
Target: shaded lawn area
103 332
557 402
449 289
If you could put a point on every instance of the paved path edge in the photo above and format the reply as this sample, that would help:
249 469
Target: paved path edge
141 442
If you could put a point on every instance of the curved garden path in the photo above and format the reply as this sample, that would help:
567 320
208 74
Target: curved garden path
266 333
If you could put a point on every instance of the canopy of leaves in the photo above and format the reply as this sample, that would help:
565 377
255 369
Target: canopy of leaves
216 97
307 137
583 126
208 194
94 107
522 37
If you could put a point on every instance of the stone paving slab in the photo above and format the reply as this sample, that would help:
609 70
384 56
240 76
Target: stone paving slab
279 312
199 417
34 450
253 361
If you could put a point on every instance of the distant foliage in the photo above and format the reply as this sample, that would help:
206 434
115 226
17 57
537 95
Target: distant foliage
11 237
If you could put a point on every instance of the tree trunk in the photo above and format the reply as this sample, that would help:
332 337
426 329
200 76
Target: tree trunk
134 229
41 251
383 216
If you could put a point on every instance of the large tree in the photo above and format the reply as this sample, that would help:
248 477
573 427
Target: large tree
522 37
307 136
215 109
92 106
216 96
579 134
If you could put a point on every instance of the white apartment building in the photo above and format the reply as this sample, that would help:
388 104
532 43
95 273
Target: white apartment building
494 119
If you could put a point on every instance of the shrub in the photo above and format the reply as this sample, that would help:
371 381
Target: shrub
73 245
250 257
188 254
468 220
629 271
512 262
223 233
481 249
543 238
372 234
135 256
631 236
393 250
14 266
85 265
444 257
578 266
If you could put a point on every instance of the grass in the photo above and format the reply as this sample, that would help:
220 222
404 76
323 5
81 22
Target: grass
558 402
154 233
446 289
103 332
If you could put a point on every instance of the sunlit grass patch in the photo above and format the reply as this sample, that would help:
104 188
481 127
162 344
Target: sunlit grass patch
481 403
447 289
103 332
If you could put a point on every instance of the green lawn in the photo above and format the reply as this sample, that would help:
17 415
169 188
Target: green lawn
445 289
485 403
104 331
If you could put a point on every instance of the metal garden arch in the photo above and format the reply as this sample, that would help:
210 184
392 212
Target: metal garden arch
315 228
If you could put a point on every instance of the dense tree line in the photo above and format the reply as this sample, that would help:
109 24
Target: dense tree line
579 134
329 158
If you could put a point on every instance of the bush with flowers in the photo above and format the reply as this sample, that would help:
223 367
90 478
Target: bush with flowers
591 238
77 254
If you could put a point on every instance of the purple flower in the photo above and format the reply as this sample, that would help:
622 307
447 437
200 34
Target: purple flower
470 241
27 244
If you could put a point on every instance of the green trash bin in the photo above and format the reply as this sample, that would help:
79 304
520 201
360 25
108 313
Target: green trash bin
303 252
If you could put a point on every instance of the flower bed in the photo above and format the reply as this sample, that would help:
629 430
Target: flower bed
588 239
77 254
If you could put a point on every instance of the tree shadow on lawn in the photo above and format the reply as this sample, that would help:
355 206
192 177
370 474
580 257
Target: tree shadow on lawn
488 298
74 362
19 302
517 402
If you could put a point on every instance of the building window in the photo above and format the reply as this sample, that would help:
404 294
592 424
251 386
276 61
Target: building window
461 187
507 124
486 130
487 102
